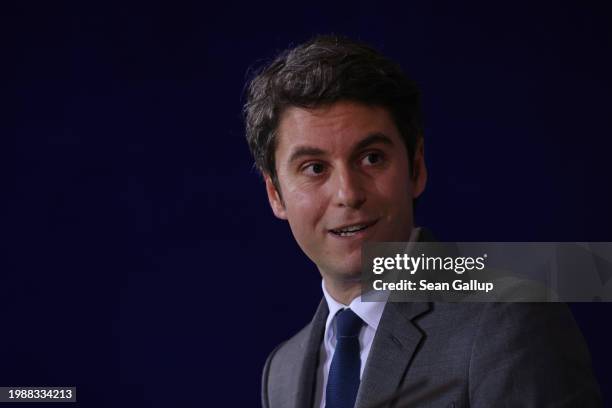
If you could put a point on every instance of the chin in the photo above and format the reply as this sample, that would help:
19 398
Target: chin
350 272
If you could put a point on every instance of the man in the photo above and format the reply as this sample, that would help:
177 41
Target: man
335 129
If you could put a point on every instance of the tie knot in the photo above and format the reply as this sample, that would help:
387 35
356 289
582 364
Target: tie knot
349 323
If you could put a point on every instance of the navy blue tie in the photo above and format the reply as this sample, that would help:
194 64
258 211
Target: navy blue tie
343 379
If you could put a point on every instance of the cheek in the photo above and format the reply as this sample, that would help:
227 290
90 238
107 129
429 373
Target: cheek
393 200
304 212
395 187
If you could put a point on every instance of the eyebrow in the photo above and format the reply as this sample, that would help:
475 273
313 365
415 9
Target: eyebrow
366 142
373 139
305 151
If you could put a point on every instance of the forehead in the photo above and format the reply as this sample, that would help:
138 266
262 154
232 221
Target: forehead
337 126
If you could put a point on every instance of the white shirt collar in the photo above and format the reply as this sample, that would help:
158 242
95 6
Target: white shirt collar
369 312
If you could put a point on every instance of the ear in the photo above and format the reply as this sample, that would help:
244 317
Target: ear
276 202
419 170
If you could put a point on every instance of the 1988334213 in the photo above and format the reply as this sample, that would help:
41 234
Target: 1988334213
38 394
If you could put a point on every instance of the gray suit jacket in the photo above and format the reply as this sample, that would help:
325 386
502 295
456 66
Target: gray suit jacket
428 354
450 355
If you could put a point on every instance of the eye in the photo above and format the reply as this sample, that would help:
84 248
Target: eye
313 169
372 159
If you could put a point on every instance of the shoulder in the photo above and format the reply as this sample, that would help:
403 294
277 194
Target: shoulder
484 330
288 350
296 347
494 319
507 354
536 348
279 378
530 324
281 381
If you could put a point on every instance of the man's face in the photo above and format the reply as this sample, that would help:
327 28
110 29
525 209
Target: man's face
345 178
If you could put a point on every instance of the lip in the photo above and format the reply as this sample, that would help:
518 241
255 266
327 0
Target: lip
367 224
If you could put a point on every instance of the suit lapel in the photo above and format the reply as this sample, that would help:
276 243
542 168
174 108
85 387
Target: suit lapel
311 346
393 347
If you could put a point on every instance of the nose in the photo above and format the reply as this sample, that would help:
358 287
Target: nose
350 190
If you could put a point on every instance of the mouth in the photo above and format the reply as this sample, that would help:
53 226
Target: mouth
350 230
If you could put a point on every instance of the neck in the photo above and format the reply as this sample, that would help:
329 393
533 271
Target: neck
343 291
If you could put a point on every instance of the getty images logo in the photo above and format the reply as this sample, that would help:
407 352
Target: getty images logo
412 264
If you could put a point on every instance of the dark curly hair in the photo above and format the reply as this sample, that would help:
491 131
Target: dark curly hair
322 71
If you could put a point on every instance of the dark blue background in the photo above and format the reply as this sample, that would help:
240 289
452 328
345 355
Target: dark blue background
142 263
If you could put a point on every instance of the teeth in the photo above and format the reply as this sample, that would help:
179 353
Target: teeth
353 228
348 231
